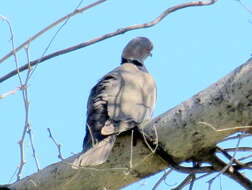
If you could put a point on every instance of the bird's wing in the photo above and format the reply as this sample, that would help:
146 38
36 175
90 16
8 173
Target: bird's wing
97 147
97 112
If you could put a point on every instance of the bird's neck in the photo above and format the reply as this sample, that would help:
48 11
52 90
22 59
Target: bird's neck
139 65
135 62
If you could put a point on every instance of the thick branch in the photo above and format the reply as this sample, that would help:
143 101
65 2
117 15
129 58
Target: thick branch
199 123
113 174
226 104
109 35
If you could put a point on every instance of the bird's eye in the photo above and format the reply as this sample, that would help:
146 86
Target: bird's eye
149 49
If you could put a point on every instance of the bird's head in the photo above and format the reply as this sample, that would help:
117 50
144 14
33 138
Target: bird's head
138 49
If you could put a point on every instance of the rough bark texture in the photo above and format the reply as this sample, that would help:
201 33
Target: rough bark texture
224 108
112 175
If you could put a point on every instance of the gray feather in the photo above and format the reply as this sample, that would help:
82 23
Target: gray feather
121 100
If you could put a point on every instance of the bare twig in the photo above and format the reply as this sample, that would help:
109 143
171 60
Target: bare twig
148 144
239 149
156 138
193 179
166 173
55 35
202 176
131 149
236 137
21 145
91 134
183 169
27 126
248 165
109 35
233 173
76 11
4 95
185 182
245 157
220 183
210 184
15 172
228 166
237 162
245 6
24 86
188 180
12 47
24 89
192 182
26 101
153 150
57 144
198 178
33 149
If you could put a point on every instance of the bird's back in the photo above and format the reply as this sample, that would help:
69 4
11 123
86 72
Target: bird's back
125 95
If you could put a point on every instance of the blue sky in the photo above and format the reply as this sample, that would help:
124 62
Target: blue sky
193 48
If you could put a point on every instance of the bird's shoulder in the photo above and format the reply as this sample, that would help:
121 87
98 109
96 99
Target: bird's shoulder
99 93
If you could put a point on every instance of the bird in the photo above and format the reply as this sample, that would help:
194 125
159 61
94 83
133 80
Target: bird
120 101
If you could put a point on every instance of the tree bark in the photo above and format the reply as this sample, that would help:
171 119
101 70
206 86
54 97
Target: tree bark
197 124
185 132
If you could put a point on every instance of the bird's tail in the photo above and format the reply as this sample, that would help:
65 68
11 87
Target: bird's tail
96 155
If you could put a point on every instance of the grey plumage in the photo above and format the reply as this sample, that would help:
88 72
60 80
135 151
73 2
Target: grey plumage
121 100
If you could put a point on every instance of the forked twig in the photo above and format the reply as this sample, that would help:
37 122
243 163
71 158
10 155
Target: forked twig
27 103
27 126
229 165
23 87
237 162
57 144
153 150
166 173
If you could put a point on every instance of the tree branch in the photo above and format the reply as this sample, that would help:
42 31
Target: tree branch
109 35
4 95
58 145
164 176
232 173
245 6
225 105
231 96
76 11
185 182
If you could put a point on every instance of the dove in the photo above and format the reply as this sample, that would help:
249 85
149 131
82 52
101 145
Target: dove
120 101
